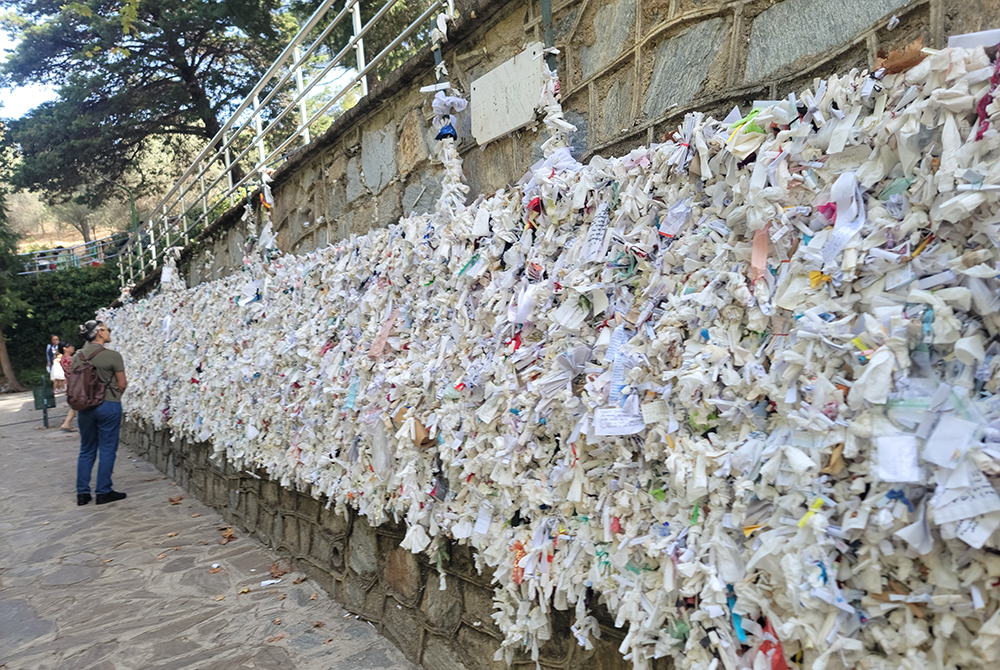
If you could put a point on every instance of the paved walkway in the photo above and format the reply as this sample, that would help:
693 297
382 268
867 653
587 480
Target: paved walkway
131 585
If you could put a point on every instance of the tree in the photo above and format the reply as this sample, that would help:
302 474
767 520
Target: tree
127 73
10 301
76 214
56 302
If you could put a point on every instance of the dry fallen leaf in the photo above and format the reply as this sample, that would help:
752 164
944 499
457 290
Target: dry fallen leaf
318 624
108 560
314 596
161 556
227 535
328 641
218 598
245 589
214 570
277 622
176 501
278 569
282 596
195 515
901 59
279 636
171 534
299 580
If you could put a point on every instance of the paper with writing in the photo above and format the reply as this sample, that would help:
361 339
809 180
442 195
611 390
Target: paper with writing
897 458
597 233
976 530
979 498
656 411
616 421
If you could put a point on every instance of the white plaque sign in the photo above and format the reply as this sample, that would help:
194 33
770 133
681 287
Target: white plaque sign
505 98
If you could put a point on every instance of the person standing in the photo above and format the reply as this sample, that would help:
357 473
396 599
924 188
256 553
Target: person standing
67 350
58 372
50 352
100 425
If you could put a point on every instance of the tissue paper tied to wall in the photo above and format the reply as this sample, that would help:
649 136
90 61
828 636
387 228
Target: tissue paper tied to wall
740 386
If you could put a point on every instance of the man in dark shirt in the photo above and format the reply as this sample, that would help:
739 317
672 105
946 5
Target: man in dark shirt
100 426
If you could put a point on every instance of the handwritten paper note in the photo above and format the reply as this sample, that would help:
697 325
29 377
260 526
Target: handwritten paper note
656 411
897 458
979 498
597 233
975 531
616 421
618 338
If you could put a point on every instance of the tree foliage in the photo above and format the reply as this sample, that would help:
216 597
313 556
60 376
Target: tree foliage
55 303
127 72
10 300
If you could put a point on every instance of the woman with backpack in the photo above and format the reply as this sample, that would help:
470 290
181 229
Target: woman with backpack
95 388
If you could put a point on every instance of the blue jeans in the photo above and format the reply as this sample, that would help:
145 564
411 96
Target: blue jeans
99 428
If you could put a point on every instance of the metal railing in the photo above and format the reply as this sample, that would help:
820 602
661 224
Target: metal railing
221 176
94 252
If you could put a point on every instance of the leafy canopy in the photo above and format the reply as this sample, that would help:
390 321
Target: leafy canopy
126 72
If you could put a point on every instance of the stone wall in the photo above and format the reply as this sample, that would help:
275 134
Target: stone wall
365 569
630 70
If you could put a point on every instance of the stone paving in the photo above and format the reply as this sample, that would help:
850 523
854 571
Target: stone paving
144 584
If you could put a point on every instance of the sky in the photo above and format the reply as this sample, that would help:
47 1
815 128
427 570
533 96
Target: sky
15 103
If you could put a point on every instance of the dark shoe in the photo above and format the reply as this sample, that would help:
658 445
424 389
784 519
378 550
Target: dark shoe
82 498
111 496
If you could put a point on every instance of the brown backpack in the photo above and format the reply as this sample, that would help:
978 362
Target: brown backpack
84 389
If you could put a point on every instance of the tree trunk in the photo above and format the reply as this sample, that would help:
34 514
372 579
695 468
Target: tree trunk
8 370
85 231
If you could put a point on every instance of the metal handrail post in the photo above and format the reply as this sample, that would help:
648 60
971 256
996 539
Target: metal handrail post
229 165
300 87
259 127
359 47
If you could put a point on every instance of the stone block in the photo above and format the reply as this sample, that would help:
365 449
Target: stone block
362 554
388 203
290 533
250 514
305 536
795 29
604 655
286 498
401 575
615 109
477 649
336 166
442 609
681 64
335 523
412 149
440 654
320 546
355 189
422 192
378 156
353 594
269 492
265 527
402 626
491 168
478 608
307 507
613 25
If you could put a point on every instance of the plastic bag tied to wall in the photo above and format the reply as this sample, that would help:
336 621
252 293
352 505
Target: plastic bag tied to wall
740 387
